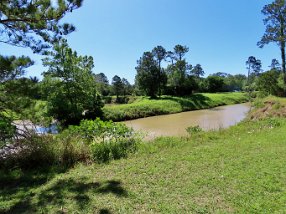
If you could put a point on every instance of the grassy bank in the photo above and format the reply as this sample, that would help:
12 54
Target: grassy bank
237 170
146 107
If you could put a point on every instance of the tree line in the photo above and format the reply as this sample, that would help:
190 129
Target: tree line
72 90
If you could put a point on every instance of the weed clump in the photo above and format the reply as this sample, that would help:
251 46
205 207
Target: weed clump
105 140
194 129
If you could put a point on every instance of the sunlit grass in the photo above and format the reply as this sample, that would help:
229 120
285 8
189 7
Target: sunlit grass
146 107
237 170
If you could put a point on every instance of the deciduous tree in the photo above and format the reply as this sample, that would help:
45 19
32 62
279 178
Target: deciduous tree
75 97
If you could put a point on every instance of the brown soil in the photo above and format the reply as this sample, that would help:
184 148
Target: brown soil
270 109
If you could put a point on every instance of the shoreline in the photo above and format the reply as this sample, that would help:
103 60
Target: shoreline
167 105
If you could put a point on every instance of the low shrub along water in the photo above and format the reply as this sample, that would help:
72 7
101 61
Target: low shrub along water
106 139
99 141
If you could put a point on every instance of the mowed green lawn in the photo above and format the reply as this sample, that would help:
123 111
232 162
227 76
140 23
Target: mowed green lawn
238 170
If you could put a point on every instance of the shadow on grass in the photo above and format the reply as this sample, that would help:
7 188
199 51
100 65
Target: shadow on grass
59 194
13 181
193 102
16 186
104 211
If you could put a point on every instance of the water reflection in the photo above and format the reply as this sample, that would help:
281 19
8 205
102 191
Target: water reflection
52 129
176 124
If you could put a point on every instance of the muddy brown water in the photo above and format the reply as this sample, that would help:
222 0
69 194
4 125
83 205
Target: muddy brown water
176 124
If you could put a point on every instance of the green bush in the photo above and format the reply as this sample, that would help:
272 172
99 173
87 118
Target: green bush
31 152
107 140
71 149
7 130
113 148
193 129
107 99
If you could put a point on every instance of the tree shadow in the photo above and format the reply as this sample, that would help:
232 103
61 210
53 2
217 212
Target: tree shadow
78 191
18 185
104 211
193 102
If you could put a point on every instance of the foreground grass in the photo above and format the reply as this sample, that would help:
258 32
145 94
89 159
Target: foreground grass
238 170
168 104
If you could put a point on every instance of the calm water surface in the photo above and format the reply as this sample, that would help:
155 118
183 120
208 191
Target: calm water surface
176 124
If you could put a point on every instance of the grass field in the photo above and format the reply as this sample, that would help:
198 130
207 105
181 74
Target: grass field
146 107
237 170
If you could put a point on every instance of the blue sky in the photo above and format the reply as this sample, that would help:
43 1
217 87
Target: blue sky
221 34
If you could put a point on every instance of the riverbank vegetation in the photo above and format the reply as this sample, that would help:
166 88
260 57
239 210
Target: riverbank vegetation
236 170
146 107
95 165
91 141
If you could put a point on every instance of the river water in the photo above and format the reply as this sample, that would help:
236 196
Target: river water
176 124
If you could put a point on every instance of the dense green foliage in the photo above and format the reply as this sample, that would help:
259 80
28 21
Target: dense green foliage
15 92
168 104
72 94
275 21
7 130
179 77
237 170
34 23
108 140
267 83
148 76
99 141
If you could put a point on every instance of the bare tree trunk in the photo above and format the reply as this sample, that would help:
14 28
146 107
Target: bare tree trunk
282 46
283 60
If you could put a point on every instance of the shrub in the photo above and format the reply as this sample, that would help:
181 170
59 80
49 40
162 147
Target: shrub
113 148
107 140
71 149
91 140
30 152
7 130
107 99
193 129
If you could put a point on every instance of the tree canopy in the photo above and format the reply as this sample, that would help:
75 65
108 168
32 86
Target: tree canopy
73 95
12 67
148 74
35 23
275 22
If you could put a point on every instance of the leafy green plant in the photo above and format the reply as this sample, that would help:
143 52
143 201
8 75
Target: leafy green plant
273 122
107 140
193 129
7 130
71 150
113 148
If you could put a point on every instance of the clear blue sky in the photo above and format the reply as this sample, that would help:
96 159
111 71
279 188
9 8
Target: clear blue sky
221 34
